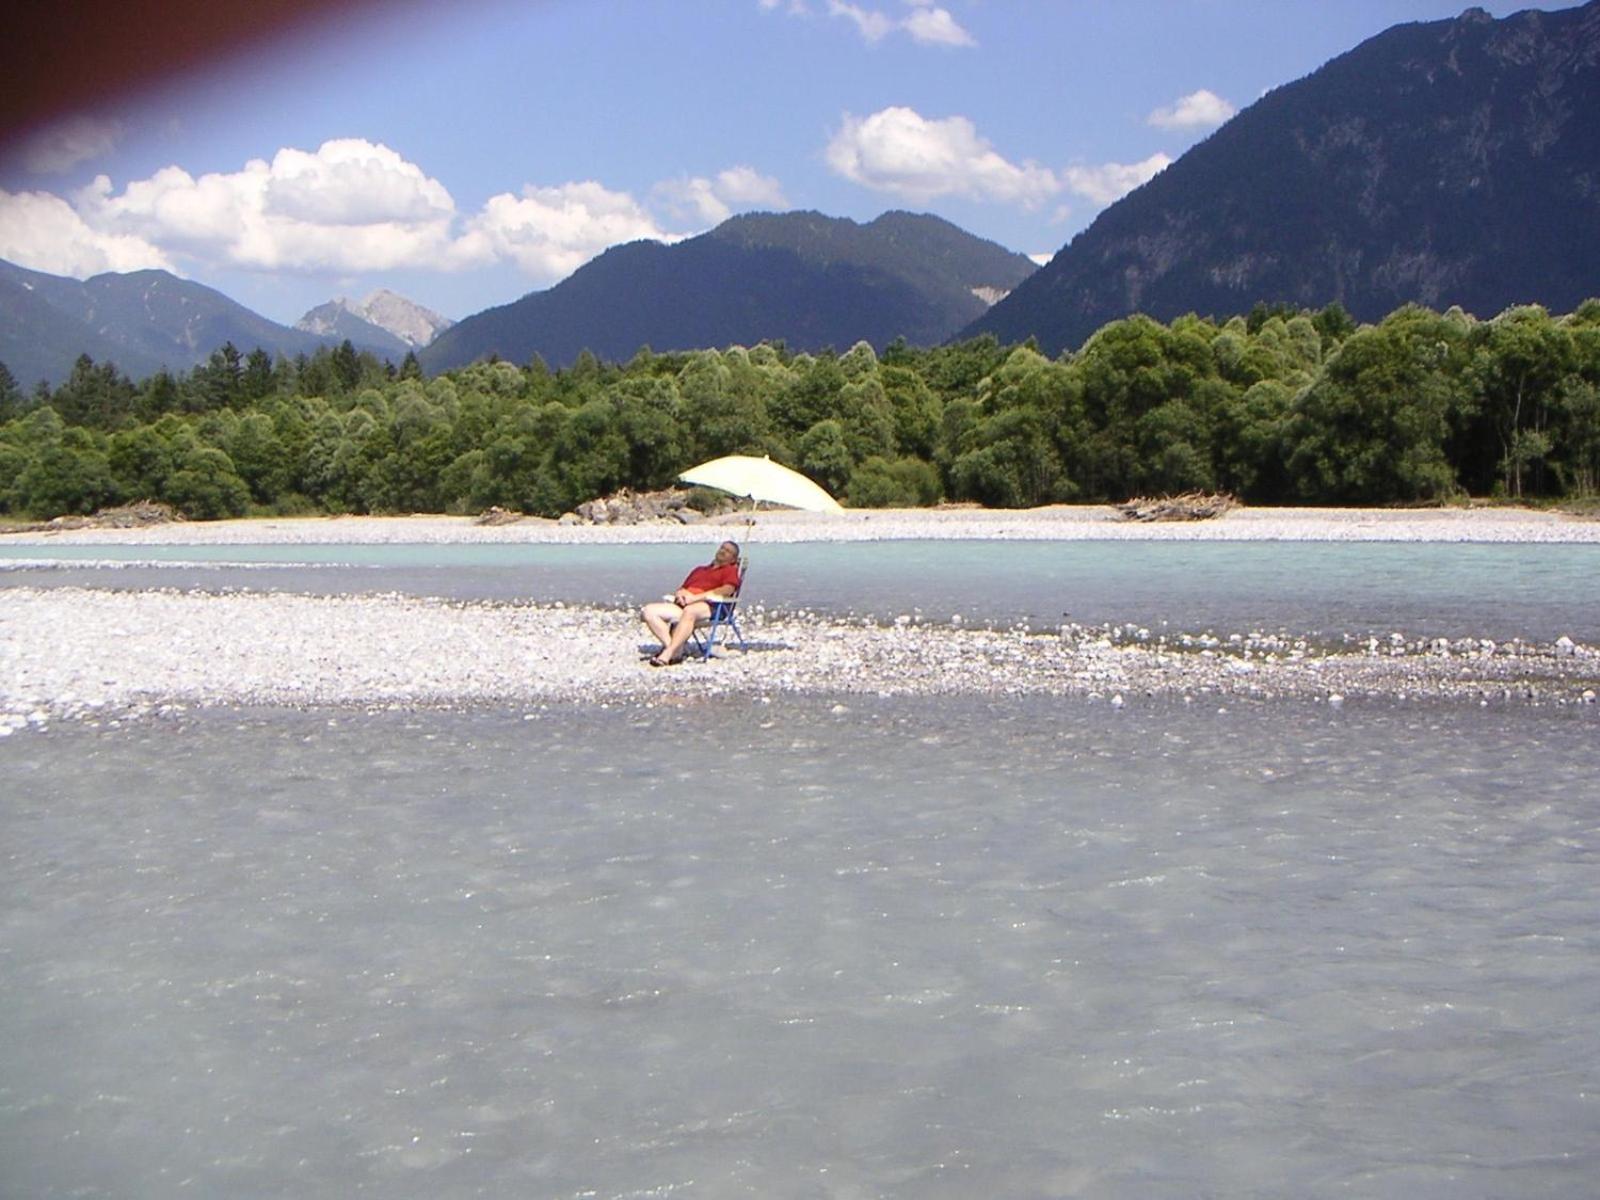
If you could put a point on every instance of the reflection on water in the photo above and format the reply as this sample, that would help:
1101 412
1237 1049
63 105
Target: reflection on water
1420 589
911 949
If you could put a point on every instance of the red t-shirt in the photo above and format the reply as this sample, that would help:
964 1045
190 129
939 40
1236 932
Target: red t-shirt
709 577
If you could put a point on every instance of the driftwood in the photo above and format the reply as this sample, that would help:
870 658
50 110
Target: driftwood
495 515
629 507
125 516
1191 506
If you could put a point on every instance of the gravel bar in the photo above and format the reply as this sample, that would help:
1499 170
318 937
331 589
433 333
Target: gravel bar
76 653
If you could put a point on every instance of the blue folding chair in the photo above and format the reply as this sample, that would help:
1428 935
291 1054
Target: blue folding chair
724 615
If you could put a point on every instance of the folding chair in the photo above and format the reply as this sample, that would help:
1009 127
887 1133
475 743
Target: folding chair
723 615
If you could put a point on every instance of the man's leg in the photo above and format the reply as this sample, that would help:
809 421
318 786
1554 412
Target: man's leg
660 617
698 611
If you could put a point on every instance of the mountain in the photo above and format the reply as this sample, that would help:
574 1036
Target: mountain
1449 162
810 280
337 320
383 318
141 321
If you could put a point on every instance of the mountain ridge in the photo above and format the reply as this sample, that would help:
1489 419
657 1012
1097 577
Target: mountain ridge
1442 163
142 321
807 279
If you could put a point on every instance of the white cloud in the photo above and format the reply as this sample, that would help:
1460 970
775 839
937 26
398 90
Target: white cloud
353 205
43 233
350 206
1109 182
927 24
900 151
934 26
1197 110
870 24
552 231
1042 257
712 201
62 146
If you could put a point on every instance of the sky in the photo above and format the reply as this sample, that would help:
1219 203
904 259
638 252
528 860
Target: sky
464 155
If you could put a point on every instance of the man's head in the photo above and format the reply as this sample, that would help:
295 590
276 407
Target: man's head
728 552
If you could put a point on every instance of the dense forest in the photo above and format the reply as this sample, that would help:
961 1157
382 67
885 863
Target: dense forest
1280 406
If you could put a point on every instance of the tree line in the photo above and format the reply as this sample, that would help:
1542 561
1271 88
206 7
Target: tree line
1279 406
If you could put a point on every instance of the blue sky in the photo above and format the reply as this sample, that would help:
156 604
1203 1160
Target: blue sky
464 155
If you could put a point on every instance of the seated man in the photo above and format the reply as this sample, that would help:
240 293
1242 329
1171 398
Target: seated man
672 621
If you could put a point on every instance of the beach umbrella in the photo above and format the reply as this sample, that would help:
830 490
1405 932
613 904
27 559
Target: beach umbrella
761 479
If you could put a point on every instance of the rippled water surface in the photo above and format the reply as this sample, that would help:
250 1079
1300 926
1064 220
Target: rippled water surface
920 949
1420 589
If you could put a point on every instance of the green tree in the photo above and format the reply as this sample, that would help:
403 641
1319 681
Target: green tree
259 457
70 476
141 460
11 398
901 483
205 486
260 377
1012 464
1372 428
1520 360
825 455
99 396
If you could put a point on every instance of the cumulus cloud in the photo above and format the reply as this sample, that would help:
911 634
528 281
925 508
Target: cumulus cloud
898 150
552 231
62 146
352 205
348 207
1109 182
44 233
712 201
1197 110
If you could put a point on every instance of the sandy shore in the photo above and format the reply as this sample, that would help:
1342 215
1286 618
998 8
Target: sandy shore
1057 523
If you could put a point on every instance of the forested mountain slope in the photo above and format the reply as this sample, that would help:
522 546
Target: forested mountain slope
141 321
1444 163
808 280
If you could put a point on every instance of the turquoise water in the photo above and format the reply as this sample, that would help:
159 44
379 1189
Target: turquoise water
1420 589
912 949
898 948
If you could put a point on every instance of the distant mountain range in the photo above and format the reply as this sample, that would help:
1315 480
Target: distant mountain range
1451 162
807 279
142 321
382 319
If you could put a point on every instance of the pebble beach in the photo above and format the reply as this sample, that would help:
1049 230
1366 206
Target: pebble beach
104 655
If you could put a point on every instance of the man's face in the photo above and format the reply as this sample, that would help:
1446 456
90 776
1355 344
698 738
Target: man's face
725 554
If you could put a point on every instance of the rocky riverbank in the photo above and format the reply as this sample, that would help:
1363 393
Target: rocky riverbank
1057 523
107 655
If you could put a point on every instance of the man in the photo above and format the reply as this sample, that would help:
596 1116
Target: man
672 621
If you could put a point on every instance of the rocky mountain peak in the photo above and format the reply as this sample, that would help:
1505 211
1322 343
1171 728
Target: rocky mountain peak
405 320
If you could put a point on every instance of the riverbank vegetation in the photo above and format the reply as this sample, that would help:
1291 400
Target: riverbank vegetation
1280 406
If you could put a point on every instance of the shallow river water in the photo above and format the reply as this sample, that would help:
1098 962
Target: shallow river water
911 948
1306 588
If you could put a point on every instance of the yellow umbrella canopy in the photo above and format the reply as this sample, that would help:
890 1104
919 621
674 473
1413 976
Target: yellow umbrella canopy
763 480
